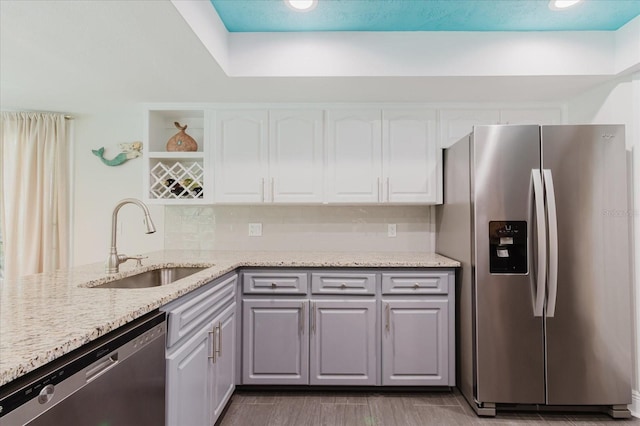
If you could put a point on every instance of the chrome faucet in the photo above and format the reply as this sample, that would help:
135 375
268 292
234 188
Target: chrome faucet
114 260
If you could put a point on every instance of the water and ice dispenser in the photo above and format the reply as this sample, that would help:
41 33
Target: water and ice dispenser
508 247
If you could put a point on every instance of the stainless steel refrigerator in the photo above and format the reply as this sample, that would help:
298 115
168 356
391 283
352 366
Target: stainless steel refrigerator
539 218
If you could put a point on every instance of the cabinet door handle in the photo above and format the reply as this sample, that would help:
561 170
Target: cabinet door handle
262 187
379 188
388 317
273 193
213 345
302 318
388 189
219 350
313 318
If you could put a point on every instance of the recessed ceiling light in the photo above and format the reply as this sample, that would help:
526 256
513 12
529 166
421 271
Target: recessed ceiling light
562 4
301 5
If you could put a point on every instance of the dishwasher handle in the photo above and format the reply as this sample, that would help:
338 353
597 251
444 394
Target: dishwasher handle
101 367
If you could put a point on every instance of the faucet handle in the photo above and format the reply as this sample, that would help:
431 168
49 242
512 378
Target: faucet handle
138 259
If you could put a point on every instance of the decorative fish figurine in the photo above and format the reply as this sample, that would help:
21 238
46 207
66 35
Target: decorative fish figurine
129 151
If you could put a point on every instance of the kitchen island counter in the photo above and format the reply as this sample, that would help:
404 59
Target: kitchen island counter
45 316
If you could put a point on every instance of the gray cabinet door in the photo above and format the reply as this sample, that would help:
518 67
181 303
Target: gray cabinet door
343 342
415 343
189 372
223 383
275 342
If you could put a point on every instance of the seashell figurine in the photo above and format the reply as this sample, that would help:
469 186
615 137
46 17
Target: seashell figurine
181 141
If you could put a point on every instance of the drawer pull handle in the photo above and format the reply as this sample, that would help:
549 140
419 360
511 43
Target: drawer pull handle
343 286
416 286
274 285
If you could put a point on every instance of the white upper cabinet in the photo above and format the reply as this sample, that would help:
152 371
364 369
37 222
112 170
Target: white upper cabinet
531 116
295 156
354 151
388 156
455 123
411 167
304 154
240 156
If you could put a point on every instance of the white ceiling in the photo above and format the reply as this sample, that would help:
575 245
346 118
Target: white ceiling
76 56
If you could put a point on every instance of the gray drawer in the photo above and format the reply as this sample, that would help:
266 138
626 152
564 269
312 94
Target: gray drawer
343 283
276 282
185 318
415 283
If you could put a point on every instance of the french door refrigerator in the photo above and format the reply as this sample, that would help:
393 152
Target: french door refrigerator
539 218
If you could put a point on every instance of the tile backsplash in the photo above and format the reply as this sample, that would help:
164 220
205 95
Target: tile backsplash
306 228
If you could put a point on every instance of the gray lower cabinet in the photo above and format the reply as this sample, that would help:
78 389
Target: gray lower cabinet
275 342
224 363
415 343
351 327
343 342
188 376
201 353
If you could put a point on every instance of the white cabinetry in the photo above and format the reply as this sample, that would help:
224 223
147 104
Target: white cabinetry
201 353
176 177
412 164
296 156
265 156
354 148
240 156
388 156
455 123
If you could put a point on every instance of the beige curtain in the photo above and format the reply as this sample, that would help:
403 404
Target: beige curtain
34 154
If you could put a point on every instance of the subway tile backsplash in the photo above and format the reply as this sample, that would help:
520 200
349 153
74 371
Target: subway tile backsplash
312 228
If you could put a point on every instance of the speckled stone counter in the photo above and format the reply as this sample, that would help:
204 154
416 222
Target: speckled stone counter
45 316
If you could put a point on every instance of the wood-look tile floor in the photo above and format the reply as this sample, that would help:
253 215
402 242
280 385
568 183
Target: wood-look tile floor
337 408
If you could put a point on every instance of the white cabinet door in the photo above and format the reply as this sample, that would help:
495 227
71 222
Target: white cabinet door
411 160
456 123
354 166
275 342
415 343
189 372
296 156
240 156
223 383
343 342
531 116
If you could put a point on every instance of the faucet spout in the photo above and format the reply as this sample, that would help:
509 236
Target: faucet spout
114 259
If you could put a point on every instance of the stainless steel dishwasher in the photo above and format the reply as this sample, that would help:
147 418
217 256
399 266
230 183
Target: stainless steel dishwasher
117 380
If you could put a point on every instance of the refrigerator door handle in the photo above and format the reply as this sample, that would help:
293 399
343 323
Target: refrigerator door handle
541 273
552 224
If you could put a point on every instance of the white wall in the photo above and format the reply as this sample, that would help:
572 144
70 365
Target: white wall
98 188
618 102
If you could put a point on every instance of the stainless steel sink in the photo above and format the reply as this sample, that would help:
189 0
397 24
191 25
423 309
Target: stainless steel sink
153 278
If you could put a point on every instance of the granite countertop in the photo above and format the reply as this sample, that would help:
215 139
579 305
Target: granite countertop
45 316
